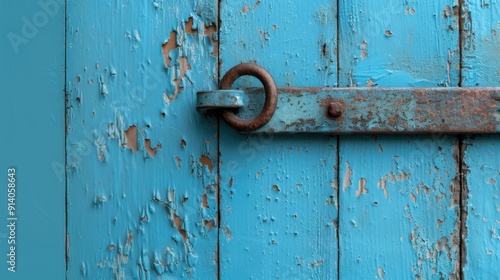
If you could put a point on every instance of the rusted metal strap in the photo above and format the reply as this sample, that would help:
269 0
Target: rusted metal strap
376 110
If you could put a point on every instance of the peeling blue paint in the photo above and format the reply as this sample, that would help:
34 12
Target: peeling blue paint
131 212
278 193
402 193
481 193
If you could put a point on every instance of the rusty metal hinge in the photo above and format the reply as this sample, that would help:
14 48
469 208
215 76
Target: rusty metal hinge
351 110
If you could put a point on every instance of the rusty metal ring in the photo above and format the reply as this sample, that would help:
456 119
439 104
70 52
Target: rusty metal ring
271 96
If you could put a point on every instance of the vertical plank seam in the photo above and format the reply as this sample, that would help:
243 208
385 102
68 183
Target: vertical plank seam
461 205
461 246
338 205
66 238
460 41
338 42
218 65
338 144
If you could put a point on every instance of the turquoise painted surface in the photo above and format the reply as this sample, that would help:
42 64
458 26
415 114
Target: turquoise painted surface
399 215
32 137
278 193
141 162
481 155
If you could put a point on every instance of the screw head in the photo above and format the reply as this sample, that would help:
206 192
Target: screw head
335 109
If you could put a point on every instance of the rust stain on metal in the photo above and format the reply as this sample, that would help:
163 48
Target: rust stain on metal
276 188
335 109
302 122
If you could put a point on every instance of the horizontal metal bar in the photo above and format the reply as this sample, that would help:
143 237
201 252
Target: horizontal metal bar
379 110
221 99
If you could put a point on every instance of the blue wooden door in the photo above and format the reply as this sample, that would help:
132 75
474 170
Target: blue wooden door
361 207
156 190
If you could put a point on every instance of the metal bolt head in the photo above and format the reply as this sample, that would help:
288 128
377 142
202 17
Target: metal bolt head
335 109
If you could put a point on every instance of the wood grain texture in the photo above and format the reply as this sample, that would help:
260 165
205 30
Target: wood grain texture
399 197
142 163
481 67
278 193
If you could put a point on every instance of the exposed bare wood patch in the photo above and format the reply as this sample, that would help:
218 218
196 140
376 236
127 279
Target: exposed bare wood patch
188 27
413 197
183 67
209 224
178 224
204 201
364 51
209 31
409 10
228 232
168 47
178 160
361 187
403 176
131 138
204 160
149 149
246 8
382 184
318 263
347 176
381 272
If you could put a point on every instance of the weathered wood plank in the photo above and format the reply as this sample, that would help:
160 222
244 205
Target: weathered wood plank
278 193
142 163
399 210
481 193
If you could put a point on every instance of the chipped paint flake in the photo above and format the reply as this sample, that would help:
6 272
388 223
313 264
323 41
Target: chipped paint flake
206 161
361 187
347 177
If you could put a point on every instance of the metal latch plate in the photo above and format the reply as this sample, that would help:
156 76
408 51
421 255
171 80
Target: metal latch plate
377 110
